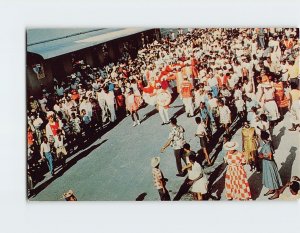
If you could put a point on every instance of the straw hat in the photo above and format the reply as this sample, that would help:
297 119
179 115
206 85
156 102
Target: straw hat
155 161
68 194
231 145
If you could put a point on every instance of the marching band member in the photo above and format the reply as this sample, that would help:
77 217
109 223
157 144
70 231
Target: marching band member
163 98
186 94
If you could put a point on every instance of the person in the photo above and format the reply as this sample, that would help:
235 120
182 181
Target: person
249 144
262 125
280 98
70 196
206 118
186 94
236 183
294 106
132 105
196 176
225 116
176 140
102 103
202 134
270 105
61 151
212 104
37 123
86 120
293 190
271 178
110 102
163 99
45 152
239 102
223 141
159 180
51 128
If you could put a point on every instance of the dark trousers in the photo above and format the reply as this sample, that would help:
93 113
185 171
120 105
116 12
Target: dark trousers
178 156
164 196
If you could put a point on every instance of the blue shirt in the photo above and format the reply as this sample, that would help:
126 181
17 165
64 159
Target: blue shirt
204 114
111 87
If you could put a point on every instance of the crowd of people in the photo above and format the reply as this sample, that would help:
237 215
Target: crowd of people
219 74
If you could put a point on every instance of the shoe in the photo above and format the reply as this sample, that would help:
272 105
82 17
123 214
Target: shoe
180 174
275 196
168 123
269 192
138 122
134 124
163 123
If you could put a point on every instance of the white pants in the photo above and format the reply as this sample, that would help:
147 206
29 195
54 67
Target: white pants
295 112
163 112
112 111
188 104
103 110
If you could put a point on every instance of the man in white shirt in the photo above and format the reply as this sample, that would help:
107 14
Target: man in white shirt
45 152
202 134
110 102
85 104
102 104
61 152
213 83
37 122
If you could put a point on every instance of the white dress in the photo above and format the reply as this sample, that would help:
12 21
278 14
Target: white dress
239 102
224 115
200 186
270 104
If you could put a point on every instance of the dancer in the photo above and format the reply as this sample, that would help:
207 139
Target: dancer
132 105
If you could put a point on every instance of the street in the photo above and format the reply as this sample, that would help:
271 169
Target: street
116 167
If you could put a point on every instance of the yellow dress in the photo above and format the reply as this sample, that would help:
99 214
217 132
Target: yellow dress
249 143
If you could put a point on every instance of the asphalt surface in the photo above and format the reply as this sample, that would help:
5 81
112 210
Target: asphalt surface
116 167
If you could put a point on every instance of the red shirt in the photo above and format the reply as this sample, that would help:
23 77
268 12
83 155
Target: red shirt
54 128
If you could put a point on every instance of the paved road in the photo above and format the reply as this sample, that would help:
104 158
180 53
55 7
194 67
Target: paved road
116 167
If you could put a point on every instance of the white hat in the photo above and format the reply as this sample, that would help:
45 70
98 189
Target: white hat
231 145
158 85
68 194
155 161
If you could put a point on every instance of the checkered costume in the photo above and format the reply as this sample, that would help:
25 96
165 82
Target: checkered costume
236 183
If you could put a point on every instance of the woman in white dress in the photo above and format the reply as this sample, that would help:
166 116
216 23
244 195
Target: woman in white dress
197 178
270 105
239 102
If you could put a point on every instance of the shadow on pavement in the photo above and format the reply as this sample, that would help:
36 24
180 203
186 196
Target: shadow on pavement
277 139
141 197
218 187
61 170
149 114
184 188
286 169
255 183
179 112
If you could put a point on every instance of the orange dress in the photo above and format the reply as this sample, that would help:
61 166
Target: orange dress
280 97
236 183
